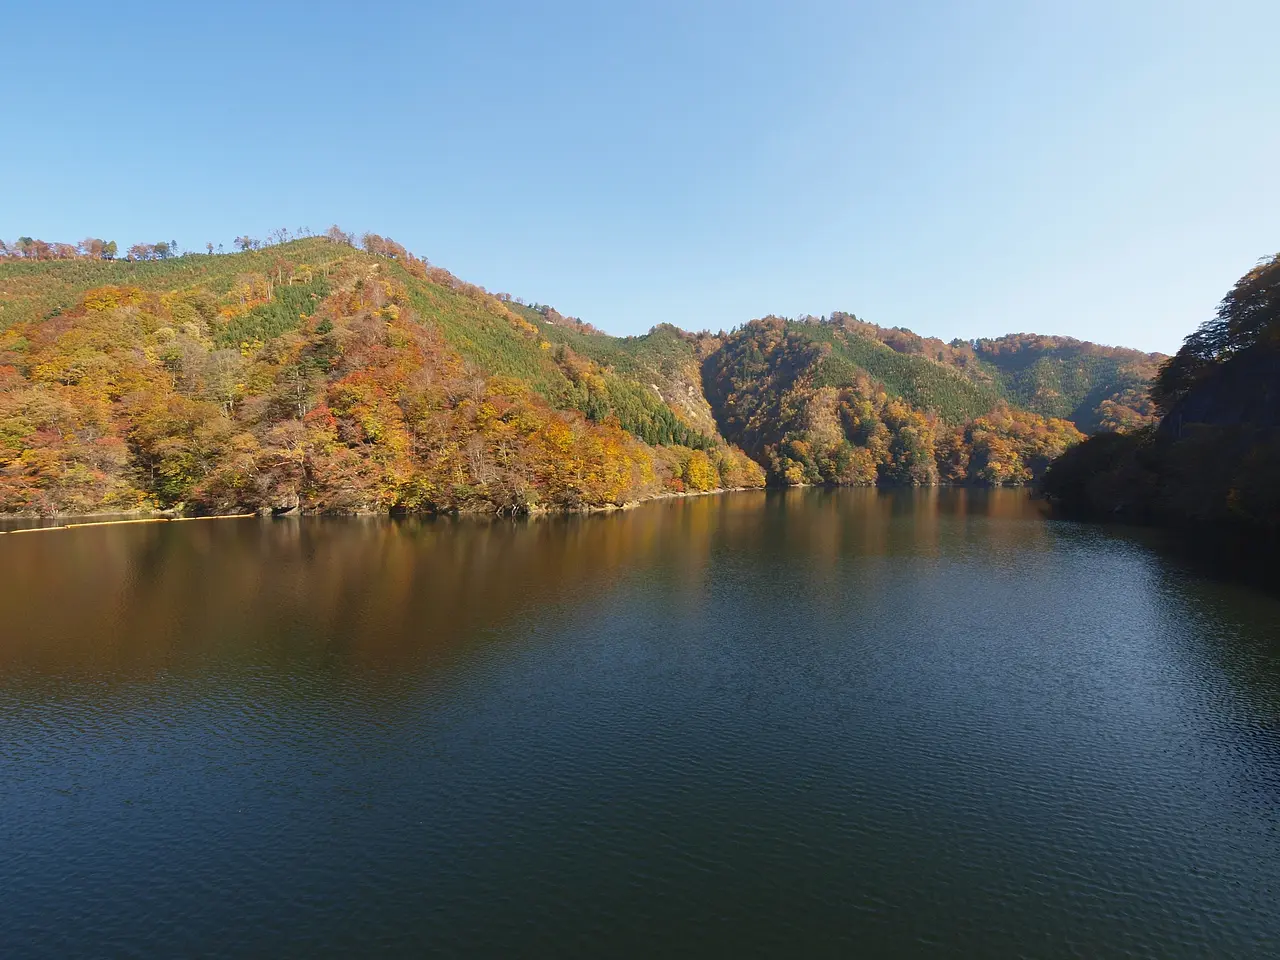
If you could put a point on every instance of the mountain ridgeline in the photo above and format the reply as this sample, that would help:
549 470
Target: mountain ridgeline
323 375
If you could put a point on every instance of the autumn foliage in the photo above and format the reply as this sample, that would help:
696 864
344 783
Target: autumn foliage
773 386
338 373
299 388
1098 388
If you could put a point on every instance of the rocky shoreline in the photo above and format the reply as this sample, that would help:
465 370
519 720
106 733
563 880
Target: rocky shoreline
112 518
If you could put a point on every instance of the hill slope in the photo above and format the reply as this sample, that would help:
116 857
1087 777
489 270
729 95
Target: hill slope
317 375
1097 388
819 402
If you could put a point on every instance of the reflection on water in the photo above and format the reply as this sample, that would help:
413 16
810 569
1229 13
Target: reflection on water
126 600
761 723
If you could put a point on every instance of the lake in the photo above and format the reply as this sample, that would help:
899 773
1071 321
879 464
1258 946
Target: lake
804 723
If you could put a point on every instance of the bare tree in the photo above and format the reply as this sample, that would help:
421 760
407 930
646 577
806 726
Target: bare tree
336 234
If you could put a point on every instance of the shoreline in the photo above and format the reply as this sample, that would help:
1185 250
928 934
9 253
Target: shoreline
118 518
79 521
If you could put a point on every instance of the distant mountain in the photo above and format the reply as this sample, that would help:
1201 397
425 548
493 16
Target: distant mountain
322 375
823 402
1097 388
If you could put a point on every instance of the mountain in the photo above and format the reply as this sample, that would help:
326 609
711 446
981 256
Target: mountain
1214 456
316 375
323 375
821 402
1098 388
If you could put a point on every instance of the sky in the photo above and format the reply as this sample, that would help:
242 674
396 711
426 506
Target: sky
1104 170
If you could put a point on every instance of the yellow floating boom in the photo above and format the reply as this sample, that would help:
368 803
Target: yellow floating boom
112 523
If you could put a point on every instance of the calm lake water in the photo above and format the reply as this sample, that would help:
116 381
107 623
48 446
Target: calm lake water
925 723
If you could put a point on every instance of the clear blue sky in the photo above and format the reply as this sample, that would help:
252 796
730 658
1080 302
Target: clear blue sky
1099 169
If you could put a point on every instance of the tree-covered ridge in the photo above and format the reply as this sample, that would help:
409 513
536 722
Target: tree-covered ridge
90 248
653 380
793 396
31 290
921 381
1098 388
1215 455
309 375
155 378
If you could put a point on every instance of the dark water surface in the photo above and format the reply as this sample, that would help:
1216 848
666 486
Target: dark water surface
801 724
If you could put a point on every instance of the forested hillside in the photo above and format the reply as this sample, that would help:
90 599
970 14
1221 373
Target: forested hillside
1215 455
818 403
327 374
1097 388
319 376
